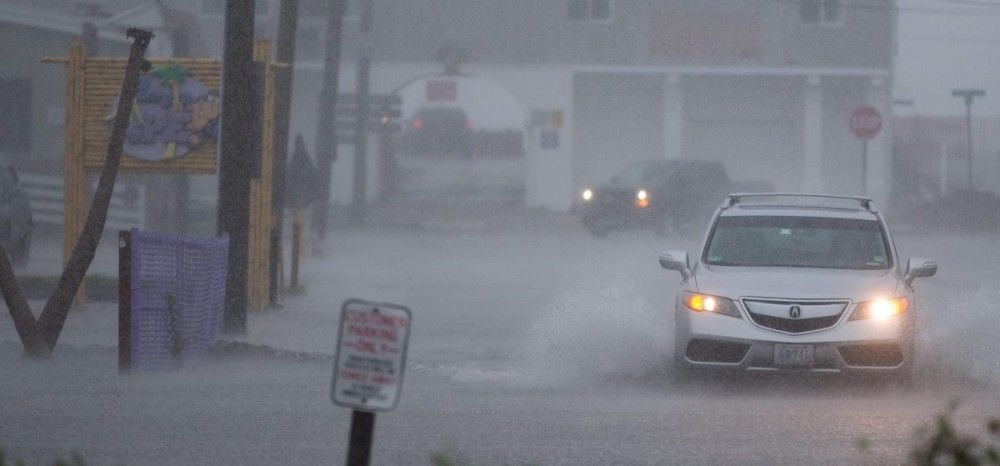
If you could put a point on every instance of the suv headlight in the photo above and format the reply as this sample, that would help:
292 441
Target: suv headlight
587 195
641 199
880 309
706 303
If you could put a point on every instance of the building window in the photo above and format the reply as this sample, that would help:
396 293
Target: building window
820 11
218 7
15 125
589 10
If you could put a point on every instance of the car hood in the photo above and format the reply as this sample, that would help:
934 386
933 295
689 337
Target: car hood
795 282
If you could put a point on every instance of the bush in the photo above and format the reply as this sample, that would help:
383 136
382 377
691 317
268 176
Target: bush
941 443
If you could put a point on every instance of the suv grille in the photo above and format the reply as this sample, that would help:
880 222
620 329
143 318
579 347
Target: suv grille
814 315
794 325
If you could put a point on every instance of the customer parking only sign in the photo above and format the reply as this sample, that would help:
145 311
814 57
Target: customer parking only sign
371 355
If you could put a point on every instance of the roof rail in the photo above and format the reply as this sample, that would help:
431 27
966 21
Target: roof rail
736 198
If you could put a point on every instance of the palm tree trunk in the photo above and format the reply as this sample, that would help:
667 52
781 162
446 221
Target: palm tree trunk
54 314
24 322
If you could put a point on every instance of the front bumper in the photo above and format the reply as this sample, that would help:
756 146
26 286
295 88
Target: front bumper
713 341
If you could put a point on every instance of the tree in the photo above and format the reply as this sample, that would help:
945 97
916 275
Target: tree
39 338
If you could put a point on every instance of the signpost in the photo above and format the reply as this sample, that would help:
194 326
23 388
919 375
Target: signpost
368 368
968 95
866 122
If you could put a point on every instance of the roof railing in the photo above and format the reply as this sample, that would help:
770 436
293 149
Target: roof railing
737 198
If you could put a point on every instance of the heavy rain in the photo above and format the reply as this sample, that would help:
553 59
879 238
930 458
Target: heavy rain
478 232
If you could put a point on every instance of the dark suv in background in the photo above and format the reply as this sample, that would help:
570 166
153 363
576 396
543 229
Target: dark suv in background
663 195
439 131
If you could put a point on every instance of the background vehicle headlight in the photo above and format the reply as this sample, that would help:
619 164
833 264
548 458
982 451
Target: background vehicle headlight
587 194
641 199
706 303
881 309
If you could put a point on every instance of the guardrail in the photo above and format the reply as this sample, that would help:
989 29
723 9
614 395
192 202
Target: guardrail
126 211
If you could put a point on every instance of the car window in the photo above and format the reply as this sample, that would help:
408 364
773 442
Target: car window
789 241
633 175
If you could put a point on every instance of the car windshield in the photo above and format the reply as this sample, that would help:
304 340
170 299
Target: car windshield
641 173
789 241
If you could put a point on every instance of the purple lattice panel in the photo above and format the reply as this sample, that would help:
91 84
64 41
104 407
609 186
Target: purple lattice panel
177 297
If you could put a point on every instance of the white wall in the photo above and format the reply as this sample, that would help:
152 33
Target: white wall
549 183
753 124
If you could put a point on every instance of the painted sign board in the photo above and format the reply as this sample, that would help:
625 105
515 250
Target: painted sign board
371 355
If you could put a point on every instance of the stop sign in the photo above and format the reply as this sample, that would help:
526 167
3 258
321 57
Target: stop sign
866 122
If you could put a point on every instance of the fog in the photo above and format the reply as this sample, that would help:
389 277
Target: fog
532 175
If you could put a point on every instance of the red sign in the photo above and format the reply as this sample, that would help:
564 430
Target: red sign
866 122
442 91
371 355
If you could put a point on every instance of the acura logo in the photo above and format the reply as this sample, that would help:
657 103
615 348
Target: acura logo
795 312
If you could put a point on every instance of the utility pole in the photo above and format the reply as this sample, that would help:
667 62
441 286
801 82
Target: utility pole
90 41
287 25
360 188
236 163
968 95
326 137
180 35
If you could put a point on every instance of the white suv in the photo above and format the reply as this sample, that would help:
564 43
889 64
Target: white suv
796 282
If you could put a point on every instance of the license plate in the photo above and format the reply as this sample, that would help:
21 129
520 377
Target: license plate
793 355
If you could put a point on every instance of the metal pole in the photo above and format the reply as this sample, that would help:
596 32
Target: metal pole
287 25
296 246
362 431
124 301
944 170
864 166
968 135
237 148
90 41
968 95
181 43
360 187
326 137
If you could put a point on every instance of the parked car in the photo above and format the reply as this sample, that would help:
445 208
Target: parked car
800 283
439 131
15 216
658 194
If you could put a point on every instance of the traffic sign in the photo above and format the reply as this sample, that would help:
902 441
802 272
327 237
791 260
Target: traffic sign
371 355
866 122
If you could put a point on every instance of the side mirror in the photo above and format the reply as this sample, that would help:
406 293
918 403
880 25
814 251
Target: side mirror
676 260
918 267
